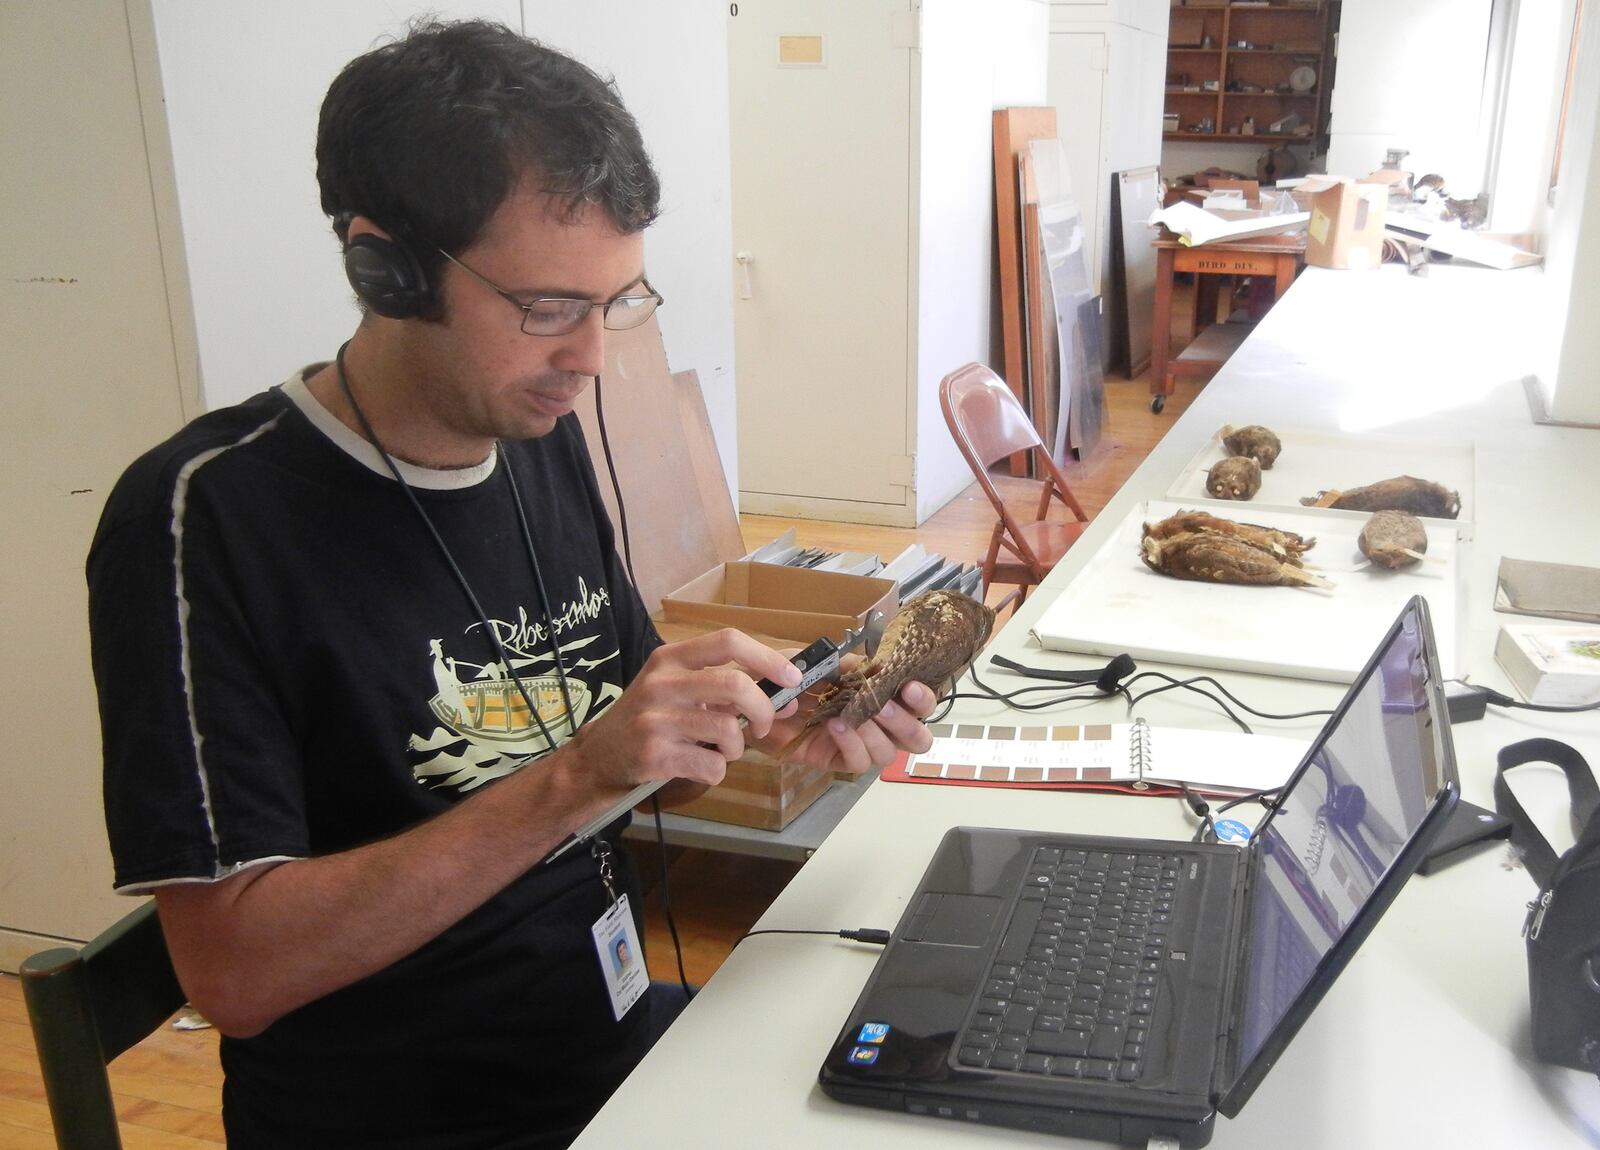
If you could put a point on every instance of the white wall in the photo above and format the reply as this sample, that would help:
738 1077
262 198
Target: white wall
1019 54
977 55
1538 71
670 61
1571 378
244 83
1410 76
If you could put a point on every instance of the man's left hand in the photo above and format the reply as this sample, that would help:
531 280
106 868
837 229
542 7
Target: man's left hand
836 746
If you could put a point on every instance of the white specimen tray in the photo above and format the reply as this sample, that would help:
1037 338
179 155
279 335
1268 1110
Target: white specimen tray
1313 461
1116 604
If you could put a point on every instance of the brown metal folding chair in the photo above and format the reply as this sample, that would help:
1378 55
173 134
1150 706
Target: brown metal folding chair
988 425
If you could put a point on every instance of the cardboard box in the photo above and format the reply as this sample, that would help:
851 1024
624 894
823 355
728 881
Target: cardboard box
786 602
784 607
759 791
1346 229
677 537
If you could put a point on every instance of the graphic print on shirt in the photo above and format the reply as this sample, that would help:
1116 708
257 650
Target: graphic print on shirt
486 729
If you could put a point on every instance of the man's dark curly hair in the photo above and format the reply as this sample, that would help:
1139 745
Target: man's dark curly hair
428 135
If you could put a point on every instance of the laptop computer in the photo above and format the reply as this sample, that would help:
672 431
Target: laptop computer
1123 989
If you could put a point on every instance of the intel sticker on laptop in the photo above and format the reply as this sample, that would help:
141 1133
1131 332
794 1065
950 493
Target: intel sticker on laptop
863 1055
873 1032
1232 831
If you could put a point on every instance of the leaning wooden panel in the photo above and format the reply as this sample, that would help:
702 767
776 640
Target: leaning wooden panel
1013 129
662 447
1041 362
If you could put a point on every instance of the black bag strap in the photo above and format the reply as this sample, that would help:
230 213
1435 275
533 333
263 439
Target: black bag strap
1539 855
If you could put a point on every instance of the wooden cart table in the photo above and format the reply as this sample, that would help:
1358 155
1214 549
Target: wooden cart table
1273 260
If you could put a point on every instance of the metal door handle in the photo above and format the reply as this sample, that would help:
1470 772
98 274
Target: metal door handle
744 259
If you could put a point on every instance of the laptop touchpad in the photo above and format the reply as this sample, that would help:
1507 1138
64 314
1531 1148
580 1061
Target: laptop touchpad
952 919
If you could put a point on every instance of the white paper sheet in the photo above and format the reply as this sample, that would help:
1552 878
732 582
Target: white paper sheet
1116 604
1195 226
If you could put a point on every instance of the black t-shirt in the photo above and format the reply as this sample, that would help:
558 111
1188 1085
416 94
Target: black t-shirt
287 667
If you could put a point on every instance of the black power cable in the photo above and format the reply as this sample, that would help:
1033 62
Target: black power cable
860 934
1202 810
1498 699
666 896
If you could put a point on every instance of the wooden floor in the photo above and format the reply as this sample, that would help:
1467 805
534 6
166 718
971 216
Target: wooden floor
168 1089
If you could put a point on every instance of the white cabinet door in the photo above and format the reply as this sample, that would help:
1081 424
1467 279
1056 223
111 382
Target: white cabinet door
822 138
90 379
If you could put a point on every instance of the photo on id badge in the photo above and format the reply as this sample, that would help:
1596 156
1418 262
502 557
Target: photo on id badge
616 943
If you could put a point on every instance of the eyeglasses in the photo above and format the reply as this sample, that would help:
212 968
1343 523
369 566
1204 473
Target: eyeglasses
557 315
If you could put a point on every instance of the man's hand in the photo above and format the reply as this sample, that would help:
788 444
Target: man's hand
835 745
679 718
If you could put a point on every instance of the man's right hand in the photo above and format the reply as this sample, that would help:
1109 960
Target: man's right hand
679 718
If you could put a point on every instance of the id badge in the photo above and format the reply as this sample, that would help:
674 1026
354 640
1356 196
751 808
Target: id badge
616 941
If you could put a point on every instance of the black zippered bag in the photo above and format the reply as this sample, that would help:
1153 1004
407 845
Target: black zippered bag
1563 923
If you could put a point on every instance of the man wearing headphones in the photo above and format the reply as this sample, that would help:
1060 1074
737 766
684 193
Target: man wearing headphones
365 652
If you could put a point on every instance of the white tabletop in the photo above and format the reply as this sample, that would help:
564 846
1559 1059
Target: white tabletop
1424 1039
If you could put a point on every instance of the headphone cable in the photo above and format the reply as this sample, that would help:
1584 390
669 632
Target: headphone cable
616 488
627 559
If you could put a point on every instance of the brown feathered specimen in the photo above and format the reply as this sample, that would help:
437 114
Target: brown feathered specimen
1284 545
931 640
1195 545
1393 539
1255 442
1237 477
1402 493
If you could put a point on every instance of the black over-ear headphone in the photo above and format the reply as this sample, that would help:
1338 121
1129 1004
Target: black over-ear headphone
386 276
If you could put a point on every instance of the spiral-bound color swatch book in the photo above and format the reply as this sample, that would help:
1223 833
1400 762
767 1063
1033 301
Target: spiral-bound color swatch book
1134 757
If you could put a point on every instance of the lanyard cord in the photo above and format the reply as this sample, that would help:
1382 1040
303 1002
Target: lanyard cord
538 581
461 579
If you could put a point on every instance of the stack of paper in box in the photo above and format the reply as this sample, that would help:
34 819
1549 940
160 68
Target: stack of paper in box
1551 664
914 569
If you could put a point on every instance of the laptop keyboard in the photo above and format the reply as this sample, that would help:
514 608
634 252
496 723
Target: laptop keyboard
1072 990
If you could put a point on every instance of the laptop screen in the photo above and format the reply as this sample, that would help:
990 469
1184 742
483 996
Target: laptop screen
1368 783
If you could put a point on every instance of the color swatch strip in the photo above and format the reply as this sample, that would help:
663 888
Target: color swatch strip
1062 753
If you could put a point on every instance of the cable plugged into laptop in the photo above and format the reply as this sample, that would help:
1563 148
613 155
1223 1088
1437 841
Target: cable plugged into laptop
1468 701
860 934
1464 701
866 934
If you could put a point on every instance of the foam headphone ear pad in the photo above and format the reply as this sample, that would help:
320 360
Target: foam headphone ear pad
385 275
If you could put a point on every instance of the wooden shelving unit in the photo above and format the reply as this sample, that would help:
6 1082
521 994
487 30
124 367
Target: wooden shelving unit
1237 67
